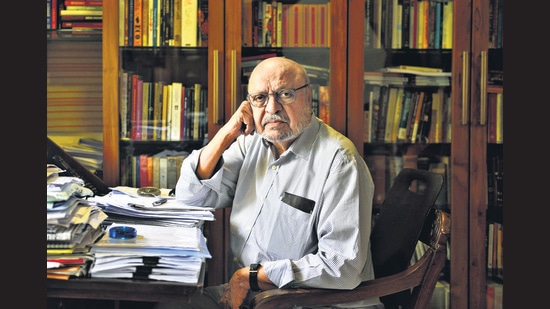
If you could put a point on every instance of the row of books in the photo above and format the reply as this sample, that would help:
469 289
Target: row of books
151 23
395 113
385 167
421 24
269 23
162 111
159 170
74 14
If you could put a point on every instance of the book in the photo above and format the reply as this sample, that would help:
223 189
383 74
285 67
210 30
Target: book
417 116
425 119
499 134
447 28
163 172
171 172
405 23
202 36
374 111
175 114
189 23
382 113
166 95
436 123
84 2
324 103
143 171
196 110
178 27
397 114
397 26
137 22
267 26
65 12
405 112
247 23
146 115
145 26
390 114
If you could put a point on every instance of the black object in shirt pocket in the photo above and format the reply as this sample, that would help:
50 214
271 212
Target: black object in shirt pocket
304 204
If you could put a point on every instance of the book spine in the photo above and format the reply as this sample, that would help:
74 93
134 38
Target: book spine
145 23
196 110
175 127
279 35
447 30
130 22
402 130
138 22
178 26
390 114
189 23
163 172
202 35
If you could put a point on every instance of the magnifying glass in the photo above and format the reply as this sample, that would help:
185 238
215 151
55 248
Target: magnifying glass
152 192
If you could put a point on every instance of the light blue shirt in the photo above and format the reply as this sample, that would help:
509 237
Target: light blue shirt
306 216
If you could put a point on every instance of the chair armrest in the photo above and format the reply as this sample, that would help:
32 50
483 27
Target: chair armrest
286 298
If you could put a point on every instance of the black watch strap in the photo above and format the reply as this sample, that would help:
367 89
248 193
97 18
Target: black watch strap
253 277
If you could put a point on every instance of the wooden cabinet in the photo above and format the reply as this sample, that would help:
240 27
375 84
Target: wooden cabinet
474 60
347 57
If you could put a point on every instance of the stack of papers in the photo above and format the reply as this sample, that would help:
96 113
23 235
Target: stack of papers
169 253
73 224
124 205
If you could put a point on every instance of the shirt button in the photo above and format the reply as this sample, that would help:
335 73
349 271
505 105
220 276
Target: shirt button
274 167
235 259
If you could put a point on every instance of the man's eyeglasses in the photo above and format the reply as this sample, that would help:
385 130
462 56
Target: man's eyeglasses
283 96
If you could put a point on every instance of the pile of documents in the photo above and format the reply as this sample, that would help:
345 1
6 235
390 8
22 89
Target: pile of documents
168 253
124 205
73 224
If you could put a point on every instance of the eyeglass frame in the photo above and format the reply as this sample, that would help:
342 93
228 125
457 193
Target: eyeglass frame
275 95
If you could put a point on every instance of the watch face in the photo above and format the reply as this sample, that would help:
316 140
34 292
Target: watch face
254 266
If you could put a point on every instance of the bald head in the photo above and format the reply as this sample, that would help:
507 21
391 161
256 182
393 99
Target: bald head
283 71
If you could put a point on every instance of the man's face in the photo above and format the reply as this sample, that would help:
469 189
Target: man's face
278 122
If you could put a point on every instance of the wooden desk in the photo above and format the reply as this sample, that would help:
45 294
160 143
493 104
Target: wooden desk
121 289
118 290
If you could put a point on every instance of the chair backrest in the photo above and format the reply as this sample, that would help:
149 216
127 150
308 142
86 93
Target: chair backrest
406 216
397 228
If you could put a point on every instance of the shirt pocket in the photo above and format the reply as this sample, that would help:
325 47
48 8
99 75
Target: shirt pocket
301 203
292 229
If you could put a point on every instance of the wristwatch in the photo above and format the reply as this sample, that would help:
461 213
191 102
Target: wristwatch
253 277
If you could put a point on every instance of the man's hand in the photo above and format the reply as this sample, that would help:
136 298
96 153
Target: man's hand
237 290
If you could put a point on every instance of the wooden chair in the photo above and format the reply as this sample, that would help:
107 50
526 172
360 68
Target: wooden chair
406 216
